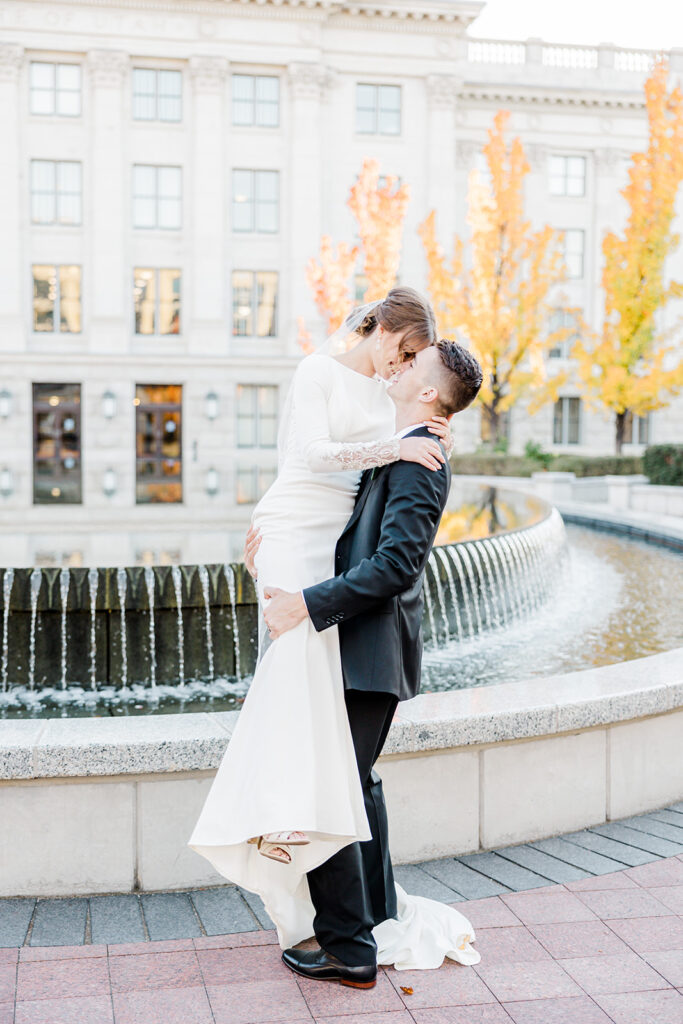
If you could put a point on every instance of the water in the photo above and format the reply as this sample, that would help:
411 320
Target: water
7 582
122 588
36 581
178 590
204 579
64 582
229 573
149 584
93 583
613 599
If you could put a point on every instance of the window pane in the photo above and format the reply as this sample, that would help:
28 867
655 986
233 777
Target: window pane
242 112
644 429
365 121
56 443
242 303
389 122
245 486
573 420
557 422
158 443
267 186
390 97
144 213
170 214
170 108
267 101
266 304
243 205
42 75
144 299
69 104
144 180
69 77
366 96
265 478
628 427
144 107
70 300
144 94
243 90
170 91
44 295
245 400
42 101
169 302
169 182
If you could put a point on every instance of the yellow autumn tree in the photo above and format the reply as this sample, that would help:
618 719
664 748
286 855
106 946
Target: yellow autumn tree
629 368
502 301
379 208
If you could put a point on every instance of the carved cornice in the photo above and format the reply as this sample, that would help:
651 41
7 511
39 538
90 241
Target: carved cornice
11 61
107 67
309 81
442 91
606 161
209 73
466 152
535 97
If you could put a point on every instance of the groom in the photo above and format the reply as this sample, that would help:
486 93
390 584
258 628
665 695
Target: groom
376 600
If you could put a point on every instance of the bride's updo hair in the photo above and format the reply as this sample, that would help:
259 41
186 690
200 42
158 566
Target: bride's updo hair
403 311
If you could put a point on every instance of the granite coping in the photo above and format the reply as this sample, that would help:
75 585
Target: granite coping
163 744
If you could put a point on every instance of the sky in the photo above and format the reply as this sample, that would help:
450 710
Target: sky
658 24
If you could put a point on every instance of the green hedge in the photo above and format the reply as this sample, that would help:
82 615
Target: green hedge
484 464
663 464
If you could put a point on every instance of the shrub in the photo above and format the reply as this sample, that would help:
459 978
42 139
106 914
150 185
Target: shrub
490 464
663 464
533 450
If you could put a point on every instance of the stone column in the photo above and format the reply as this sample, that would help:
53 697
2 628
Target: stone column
205 216
13 199
107 278
301 203
442 97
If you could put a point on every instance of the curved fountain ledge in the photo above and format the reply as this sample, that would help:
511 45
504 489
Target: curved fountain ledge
464 770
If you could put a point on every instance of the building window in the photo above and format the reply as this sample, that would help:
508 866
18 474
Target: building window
157 95
158 443
157 193
257 416
568 175
254 303
156 296
252 484
561 320
56 444
56 299
378 109
256 100
636 429
573 251
55 88
566 421
255 201
55 192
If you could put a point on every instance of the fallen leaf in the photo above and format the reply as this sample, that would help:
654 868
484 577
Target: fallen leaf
408 991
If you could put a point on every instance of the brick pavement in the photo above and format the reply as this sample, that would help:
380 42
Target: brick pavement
606 949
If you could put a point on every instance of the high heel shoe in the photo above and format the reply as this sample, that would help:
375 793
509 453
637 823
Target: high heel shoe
274 844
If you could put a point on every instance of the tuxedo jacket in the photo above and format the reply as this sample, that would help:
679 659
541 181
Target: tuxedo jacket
376 597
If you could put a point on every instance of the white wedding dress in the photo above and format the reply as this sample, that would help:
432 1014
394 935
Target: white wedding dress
290 763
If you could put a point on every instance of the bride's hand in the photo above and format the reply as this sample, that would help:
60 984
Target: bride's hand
421 449
440 426
252 543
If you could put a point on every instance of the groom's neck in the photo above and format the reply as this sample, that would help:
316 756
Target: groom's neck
408 415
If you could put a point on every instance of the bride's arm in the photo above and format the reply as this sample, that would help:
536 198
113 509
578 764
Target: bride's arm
312 391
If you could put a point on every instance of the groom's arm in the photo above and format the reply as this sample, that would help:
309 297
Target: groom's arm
415 501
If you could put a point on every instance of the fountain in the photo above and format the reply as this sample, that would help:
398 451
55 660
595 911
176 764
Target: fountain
496 561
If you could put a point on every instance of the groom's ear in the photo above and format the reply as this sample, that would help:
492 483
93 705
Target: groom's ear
429 394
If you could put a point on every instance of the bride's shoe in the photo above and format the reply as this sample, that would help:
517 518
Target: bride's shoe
274 844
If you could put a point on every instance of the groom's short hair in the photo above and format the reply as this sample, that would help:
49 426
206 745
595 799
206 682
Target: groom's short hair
459 377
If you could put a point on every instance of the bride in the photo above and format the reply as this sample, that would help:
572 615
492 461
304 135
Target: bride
287 795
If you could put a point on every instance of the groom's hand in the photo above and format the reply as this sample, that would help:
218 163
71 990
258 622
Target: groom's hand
284 611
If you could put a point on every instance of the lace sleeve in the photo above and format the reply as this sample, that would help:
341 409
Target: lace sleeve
312 387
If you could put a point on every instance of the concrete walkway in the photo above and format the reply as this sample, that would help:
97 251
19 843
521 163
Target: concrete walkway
603 948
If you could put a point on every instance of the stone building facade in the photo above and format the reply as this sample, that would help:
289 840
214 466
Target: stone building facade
166 171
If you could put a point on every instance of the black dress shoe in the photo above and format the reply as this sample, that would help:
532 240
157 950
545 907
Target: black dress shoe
322 966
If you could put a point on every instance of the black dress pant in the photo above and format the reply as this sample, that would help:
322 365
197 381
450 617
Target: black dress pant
354 890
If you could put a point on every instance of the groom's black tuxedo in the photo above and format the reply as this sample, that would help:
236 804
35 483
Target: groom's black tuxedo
376 596
376 600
